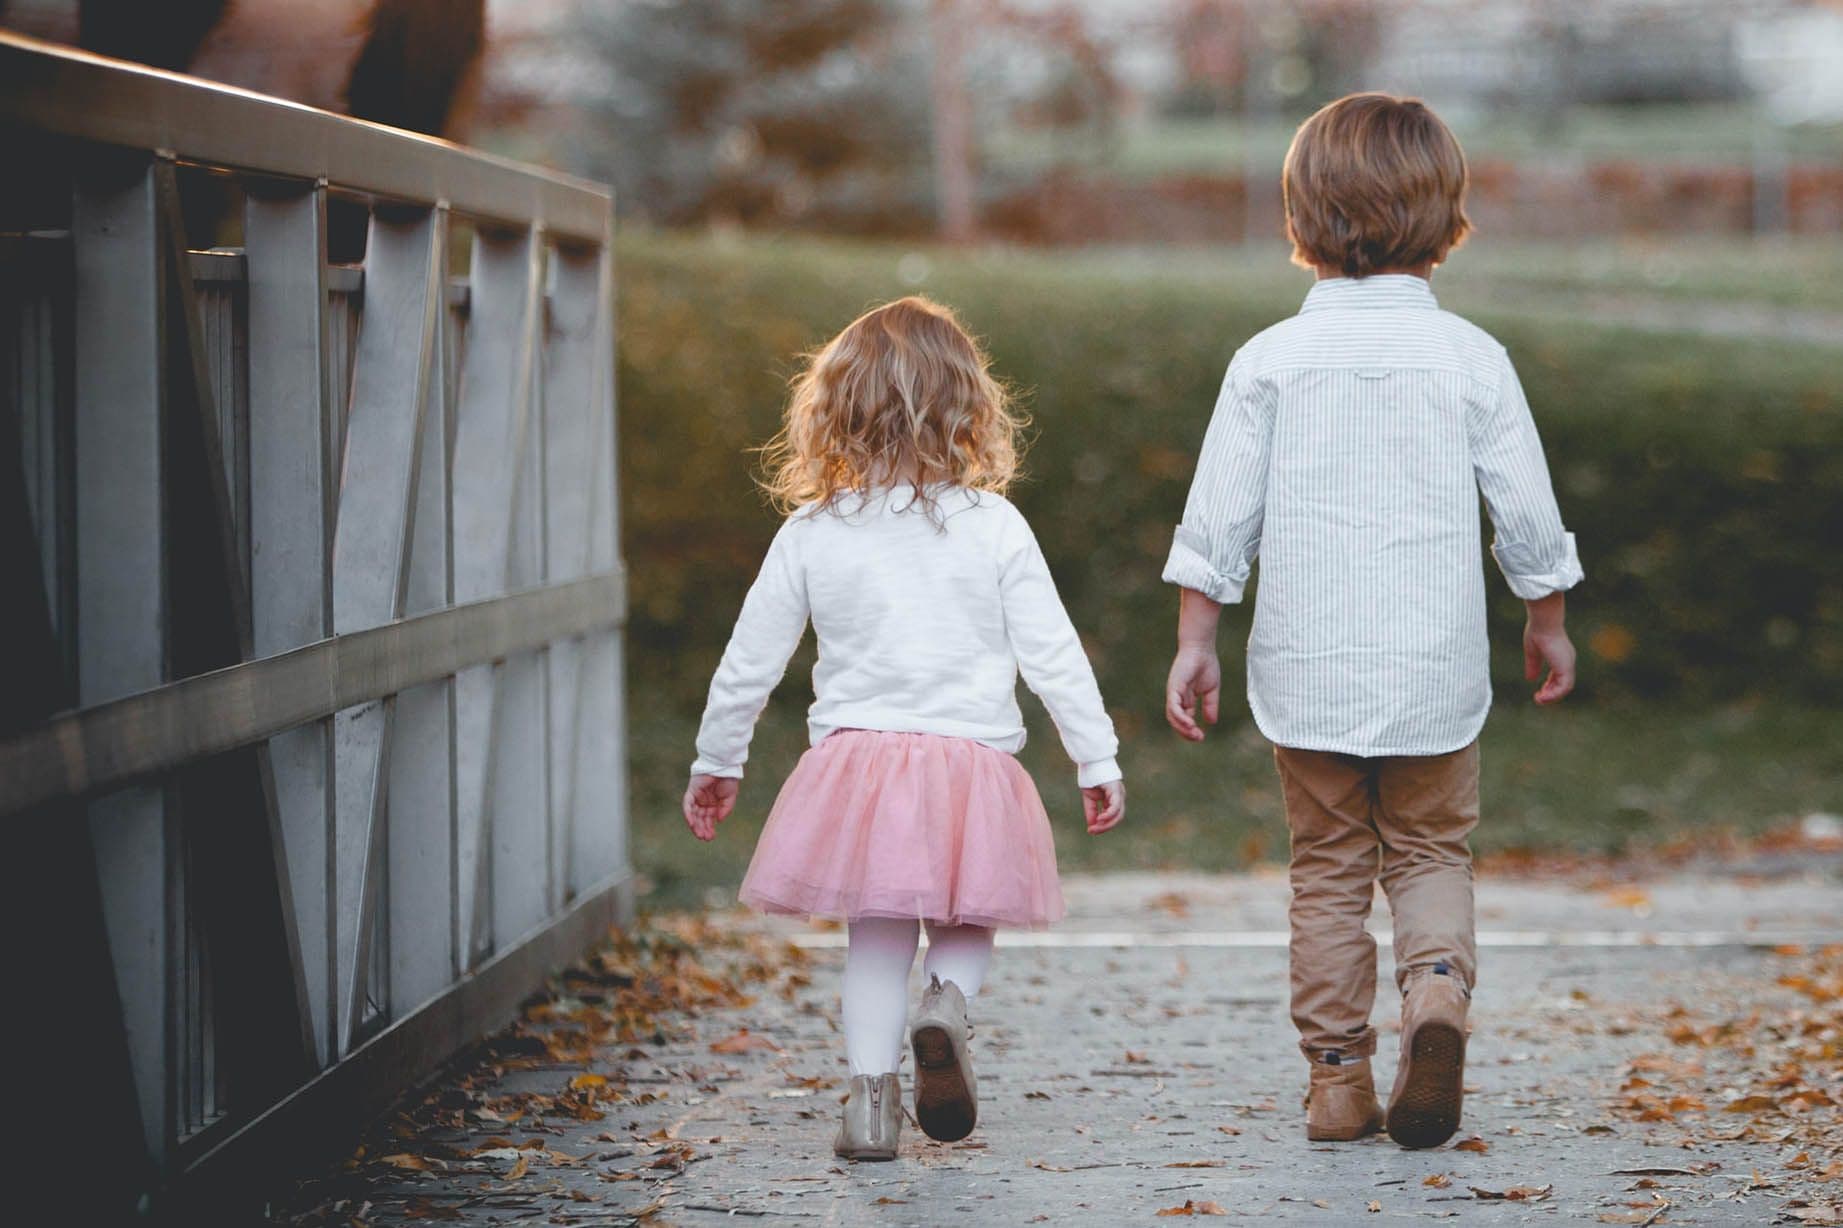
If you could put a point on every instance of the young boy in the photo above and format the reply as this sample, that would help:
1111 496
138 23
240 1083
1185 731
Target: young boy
1347 450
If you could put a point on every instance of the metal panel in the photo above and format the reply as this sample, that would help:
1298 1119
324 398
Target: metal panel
578 459
235 868
392 368
290 419
601 843
121 582
492 418
524 830
91 97
420 897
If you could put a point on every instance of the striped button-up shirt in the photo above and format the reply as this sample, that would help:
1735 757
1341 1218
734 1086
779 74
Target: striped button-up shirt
1347 451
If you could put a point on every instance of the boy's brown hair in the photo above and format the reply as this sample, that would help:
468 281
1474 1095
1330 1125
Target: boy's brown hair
1374 181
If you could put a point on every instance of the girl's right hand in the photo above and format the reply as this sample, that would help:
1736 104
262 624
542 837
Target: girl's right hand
708 801
1104 806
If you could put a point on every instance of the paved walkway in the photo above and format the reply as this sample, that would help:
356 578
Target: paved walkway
1137 1061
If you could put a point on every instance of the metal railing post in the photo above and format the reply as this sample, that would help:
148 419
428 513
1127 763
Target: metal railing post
290 418
121 586
393 372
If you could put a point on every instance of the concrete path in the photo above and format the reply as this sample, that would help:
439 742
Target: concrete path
1137 1062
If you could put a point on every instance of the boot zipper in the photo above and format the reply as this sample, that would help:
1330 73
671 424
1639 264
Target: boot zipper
876 1111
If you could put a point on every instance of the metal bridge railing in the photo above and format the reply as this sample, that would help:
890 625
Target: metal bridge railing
312 722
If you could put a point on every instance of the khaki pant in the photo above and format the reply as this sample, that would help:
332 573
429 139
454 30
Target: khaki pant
1402 819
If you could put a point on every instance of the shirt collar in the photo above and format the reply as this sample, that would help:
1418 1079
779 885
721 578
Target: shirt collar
1378 290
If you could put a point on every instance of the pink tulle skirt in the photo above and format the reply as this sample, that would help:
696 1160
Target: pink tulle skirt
875 824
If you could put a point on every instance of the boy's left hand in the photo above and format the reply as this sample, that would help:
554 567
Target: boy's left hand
1196 677
1550 647
1545 642
708 801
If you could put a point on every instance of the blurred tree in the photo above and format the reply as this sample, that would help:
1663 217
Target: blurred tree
763 111
1240 56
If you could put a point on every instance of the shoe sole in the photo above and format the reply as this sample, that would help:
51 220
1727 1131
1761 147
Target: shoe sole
1426 1112
944 1106
1314 1134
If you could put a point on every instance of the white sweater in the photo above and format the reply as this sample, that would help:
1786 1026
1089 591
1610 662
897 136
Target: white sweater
923 628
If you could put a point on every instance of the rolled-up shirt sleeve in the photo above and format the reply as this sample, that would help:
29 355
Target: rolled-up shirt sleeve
1536 554
770 627
1213 550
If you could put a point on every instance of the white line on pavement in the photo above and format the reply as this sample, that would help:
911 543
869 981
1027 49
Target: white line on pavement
1265 939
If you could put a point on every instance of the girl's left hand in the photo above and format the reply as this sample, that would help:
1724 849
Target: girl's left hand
1104 806
708 801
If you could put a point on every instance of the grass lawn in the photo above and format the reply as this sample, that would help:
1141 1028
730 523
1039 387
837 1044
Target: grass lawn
1587 779
1705 480
1493 276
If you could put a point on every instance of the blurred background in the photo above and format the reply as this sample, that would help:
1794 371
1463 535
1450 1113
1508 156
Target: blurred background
1094 184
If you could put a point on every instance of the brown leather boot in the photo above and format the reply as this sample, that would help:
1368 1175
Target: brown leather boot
1341 1105
1430 1083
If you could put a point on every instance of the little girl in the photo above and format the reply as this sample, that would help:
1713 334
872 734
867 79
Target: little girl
928 594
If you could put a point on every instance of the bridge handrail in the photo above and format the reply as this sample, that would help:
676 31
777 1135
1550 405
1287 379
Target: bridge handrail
89 97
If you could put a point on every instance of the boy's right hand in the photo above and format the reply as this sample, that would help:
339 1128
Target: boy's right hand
1196 677
708 801
1104 806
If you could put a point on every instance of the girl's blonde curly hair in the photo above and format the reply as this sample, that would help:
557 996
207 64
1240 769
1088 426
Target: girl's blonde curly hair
903 394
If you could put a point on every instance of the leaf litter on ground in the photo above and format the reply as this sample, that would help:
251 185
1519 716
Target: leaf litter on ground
645 986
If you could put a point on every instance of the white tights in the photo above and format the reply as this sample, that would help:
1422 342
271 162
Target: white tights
876 988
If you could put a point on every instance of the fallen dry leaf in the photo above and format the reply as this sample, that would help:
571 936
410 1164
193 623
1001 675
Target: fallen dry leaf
1634 898
1193 1207
1820 1215
1375 1208
1751 1104
1438 1181
519 1169
1171 902
743 1041
1474 1143
1516 1193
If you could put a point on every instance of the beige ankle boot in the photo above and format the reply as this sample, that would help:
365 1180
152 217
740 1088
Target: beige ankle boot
1430 1082
946 1094
1341 1104
873 1119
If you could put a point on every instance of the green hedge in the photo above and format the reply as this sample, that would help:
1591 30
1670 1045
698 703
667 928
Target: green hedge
1704 479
